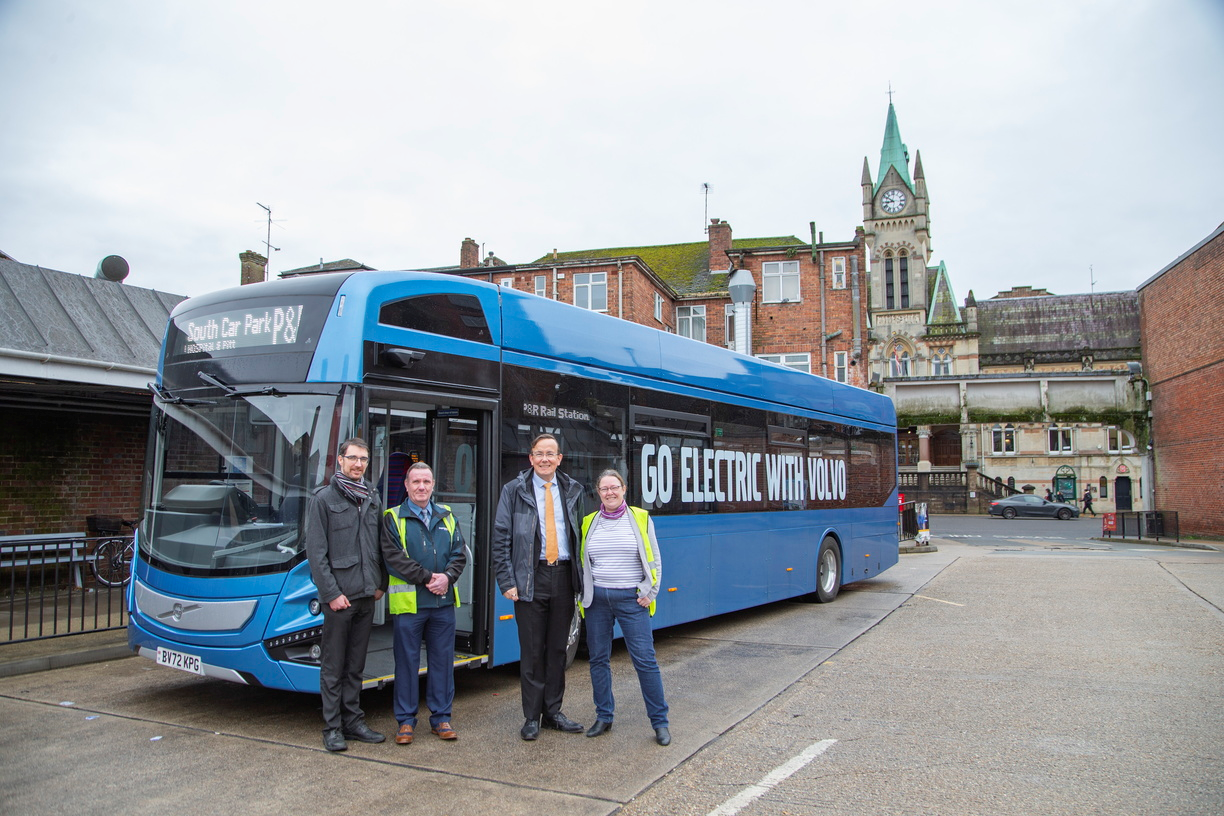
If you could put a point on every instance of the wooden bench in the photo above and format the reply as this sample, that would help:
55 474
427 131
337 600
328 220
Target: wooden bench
46 549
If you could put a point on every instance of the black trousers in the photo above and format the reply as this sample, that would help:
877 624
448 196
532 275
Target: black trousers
543 632
346 638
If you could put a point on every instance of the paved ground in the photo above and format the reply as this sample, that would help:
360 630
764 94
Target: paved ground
1022 668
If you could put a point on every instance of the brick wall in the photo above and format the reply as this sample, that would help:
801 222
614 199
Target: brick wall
57 468
794 328
1180 314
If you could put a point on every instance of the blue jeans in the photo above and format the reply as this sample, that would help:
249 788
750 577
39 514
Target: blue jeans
620 606
436 625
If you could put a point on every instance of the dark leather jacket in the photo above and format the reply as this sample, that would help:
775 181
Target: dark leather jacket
516 532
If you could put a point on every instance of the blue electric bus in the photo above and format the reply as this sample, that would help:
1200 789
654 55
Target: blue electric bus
765 483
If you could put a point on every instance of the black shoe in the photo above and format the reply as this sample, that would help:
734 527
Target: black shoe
530 730
663 736
363 733
560 722
333 740
599 728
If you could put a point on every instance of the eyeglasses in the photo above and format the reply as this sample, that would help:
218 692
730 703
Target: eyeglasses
541 455
363 460
612 489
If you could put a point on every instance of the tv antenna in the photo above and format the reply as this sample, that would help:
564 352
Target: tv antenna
705 192
268 242
1091 280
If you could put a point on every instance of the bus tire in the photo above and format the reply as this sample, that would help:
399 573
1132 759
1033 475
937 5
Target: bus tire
574 637
828 571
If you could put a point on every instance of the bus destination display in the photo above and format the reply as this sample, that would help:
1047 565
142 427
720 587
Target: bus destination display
239 329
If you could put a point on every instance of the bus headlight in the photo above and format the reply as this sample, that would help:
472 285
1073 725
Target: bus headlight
315 606
300 647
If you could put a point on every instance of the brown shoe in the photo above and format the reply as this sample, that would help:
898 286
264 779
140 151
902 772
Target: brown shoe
404 735
444 731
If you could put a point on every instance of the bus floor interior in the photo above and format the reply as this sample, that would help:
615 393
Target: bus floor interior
380 657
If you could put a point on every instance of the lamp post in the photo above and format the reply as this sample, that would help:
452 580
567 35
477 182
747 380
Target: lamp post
743 291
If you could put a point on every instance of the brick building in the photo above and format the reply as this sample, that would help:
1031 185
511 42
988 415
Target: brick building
1184 371
76 355
808 311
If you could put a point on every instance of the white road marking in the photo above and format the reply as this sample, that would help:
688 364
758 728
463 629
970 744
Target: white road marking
940 600
772 779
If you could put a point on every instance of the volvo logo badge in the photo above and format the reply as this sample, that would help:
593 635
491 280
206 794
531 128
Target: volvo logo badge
178 611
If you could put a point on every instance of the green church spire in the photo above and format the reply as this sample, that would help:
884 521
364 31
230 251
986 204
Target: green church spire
893 153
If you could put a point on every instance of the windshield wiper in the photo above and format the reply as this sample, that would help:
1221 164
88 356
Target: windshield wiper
231 391
165 395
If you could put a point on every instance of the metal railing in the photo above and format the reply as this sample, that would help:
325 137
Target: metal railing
907 523
1155 524
48 589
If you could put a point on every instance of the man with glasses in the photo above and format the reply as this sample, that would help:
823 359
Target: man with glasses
535 556
343 534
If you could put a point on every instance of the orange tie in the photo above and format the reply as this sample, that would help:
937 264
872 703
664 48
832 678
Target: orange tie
550 526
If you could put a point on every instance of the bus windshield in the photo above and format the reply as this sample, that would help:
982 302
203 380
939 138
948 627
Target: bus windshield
227 480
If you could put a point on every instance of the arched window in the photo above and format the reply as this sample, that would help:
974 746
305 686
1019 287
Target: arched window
941 363
899 363
890 301
1104 488
903 280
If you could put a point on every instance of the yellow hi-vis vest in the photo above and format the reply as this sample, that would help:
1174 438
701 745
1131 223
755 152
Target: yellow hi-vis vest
643 522
401 595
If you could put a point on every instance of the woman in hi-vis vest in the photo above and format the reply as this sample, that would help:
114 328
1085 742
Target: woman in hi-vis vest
621 571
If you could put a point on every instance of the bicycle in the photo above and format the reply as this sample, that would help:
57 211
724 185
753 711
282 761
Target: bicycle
112 558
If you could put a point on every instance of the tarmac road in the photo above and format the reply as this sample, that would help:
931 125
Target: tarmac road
1019 672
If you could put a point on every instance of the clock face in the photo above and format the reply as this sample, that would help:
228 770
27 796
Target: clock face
893 201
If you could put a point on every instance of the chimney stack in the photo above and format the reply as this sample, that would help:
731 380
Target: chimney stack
720 244
469 254
254 267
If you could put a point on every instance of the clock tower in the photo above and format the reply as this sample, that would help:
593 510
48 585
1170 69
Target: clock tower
897 228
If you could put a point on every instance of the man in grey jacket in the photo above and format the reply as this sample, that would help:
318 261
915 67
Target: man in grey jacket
535 556
343 532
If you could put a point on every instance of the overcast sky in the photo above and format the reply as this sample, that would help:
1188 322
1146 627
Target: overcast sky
1057 136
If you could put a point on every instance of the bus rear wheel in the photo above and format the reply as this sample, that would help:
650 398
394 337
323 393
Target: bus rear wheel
828 571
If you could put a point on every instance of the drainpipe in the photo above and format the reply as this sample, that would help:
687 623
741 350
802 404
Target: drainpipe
824 355
620 290
855 297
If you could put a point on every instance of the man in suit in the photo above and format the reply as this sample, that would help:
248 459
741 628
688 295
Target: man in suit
535 555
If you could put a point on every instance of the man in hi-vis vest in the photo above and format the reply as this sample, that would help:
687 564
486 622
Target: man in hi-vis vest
421 597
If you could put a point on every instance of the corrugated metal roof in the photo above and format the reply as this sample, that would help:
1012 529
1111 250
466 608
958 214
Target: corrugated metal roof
75 322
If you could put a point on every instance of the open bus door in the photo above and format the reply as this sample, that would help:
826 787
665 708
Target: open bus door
454 442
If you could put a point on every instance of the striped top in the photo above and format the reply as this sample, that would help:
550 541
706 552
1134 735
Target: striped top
612 549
